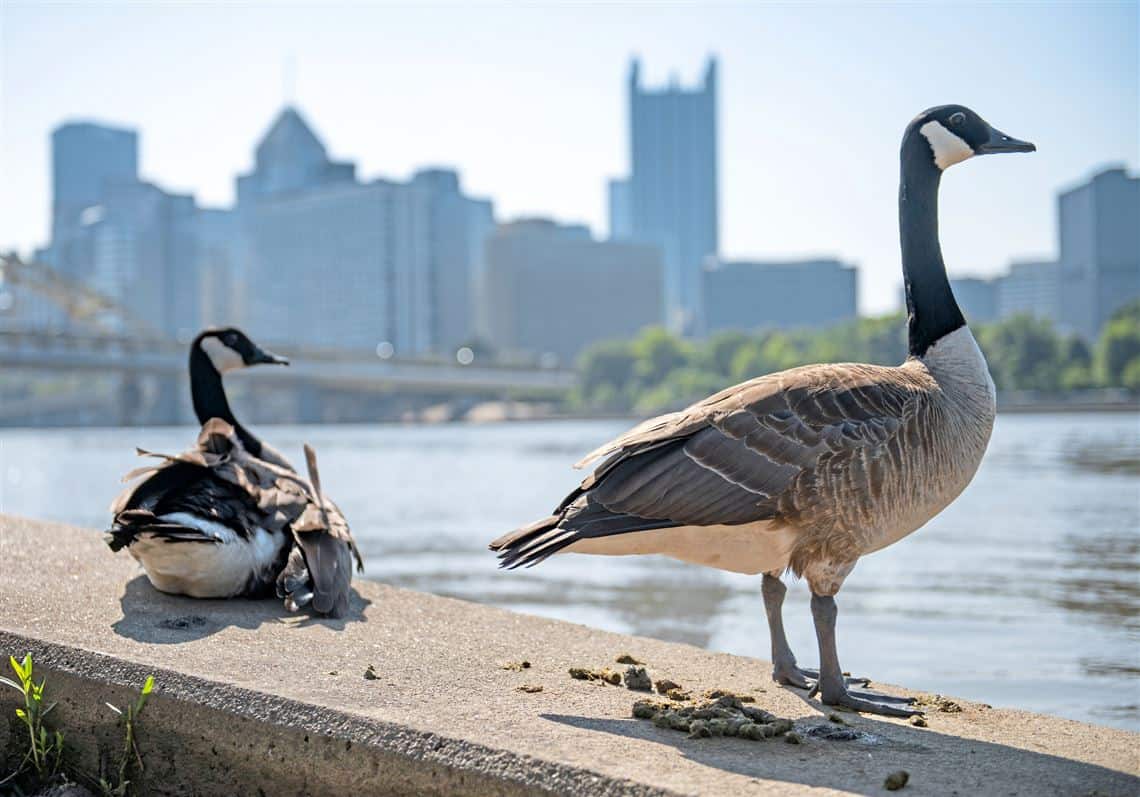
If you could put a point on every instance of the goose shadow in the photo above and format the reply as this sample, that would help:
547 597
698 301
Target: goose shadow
157 618
939 763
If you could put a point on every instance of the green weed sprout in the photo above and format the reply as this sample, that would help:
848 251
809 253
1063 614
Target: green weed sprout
45 748
130 749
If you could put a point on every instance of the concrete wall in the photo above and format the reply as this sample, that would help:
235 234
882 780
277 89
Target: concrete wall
250 700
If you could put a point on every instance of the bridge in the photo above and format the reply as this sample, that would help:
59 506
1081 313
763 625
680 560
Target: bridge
99 363
149 379
363 370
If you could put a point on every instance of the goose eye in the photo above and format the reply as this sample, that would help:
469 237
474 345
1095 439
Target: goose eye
230 339
957 118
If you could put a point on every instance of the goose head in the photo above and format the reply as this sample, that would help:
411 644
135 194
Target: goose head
954 133
228 349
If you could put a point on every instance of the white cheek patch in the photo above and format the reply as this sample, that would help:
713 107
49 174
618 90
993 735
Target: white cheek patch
222 356
948 148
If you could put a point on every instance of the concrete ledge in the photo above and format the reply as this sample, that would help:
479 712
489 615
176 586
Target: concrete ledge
250 700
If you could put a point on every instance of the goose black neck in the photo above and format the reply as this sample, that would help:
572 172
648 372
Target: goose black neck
931 309
209 398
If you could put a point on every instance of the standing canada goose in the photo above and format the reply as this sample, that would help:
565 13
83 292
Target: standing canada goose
231 517
807 469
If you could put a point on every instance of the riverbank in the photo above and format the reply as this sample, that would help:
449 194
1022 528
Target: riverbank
1009 403
521 411
247 695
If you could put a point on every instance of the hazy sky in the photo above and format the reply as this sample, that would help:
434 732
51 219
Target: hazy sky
528 101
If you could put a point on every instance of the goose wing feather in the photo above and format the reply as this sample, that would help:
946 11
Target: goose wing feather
746 454
217 476
730 458
274 457
320 566
178 487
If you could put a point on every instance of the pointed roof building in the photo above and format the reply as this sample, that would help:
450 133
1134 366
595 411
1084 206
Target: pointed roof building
289 138
291 158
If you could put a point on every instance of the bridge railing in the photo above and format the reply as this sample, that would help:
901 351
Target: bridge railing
64 350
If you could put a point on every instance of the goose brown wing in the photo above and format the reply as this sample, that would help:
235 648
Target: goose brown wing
319 569
216 480
180 488
734 458
731 457
274 457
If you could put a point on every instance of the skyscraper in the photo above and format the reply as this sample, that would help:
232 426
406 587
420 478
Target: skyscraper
309 254
552 289
331 261
621 225
142 248
1100 249
290 158
128 239
87 159
748 295
1031 287
977 298
456 227
672 186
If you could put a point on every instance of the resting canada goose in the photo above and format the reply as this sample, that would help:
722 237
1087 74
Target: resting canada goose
213 353
811 468
231 517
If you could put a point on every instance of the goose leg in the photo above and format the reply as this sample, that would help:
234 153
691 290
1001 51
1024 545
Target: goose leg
784 669
832 687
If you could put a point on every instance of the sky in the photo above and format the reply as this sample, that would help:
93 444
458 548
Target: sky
528 102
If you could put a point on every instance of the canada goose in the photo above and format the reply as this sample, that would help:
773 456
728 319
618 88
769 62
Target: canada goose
811 468
213 353
231 517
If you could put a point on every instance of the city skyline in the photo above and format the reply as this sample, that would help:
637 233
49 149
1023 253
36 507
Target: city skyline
543 142
367 263
408 263
1096 271
669 195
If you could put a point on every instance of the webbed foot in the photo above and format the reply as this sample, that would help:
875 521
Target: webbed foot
885 705
791 675
806 678
850 680
875 696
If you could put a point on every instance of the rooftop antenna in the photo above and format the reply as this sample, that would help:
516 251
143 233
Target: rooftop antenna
289 80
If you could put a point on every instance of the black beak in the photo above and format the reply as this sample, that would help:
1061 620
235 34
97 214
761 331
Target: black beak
261 356
1000 142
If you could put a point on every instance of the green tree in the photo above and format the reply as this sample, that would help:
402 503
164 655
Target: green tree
1131 376
781 351
1074 351
749 361
880 340
604 397
658 352
1119 345
1023 353
680 388
883 339
608 364
1076 376
720 350
657 371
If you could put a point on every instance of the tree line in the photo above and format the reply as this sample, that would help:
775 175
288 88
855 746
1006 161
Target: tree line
657 370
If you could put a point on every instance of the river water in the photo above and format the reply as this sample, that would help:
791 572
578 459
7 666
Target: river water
1025 592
